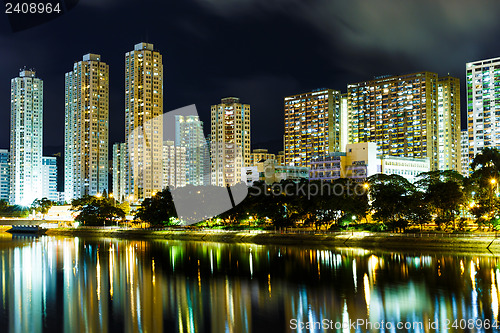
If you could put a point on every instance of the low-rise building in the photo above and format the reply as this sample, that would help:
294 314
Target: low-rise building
406 167
259 155
360 161
270 172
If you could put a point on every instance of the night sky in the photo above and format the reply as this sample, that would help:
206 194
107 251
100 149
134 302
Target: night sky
258 50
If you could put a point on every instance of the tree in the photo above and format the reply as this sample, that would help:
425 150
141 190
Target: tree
42 206
391 197
419 212
157 210
96 211
125 206
484 179
445 198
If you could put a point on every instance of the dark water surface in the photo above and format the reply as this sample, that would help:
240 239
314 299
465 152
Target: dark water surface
53 284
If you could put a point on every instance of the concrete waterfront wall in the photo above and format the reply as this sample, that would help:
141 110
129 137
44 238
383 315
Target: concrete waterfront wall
392 242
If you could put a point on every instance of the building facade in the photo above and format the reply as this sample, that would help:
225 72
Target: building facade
271 172
189 134
174 165
86 128
312 126
49 178
328 167
4 175
448 113
398 113
143 121
26 138
360 161
483 105
230 141
464 144
406 167
119 184
259 155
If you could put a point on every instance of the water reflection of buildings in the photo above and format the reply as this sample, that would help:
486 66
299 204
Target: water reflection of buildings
70 284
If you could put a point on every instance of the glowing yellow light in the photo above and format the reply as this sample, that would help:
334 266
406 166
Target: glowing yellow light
493 181
366 185
494 296
366 284
473 274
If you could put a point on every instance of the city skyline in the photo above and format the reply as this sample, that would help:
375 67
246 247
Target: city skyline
87 112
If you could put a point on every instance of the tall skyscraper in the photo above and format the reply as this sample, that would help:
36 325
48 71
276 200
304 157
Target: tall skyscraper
483 105
143 121
49 178
312 126
26 138
86 128
464 143
400 114
174 165
189 134
118 172
230 145
449 136
4 175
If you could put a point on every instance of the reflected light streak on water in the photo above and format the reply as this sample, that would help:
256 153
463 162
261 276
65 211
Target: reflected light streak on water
113 285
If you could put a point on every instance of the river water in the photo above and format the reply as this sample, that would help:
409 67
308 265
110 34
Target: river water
55 284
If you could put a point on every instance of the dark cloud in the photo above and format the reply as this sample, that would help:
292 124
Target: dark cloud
259 50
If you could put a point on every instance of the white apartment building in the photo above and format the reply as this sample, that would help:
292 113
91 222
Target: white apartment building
26 138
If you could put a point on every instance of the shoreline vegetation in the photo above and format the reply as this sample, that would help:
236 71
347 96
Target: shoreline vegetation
486 243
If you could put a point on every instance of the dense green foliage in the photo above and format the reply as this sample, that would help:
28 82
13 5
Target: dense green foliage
158 210
41 206
7 210
96 211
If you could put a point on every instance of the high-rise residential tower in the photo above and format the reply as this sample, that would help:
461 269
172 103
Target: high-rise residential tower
483 105
86 128
230 141
119 191
49 178
464 143
174 165
448 113
400 114
189 134
312 126
4 175
26 138
143 121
